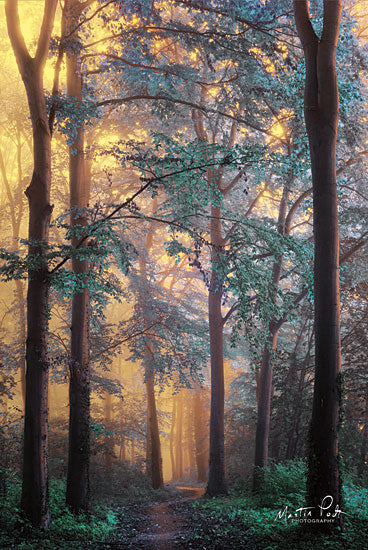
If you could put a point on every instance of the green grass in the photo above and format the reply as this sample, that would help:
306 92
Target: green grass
247 521
66 531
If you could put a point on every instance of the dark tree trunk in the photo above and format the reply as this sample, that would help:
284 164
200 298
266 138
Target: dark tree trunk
77 492
264 409
154 459
321 117
35 501
216 477
153 448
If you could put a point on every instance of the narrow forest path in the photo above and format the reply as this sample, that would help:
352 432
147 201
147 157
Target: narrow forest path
159 523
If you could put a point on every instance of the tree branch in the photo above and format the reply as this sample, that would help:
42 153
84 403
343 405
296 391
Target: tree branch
43 43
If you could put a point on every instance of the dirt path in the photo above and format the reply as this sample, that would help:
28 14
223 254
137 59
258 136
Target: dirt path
164 522
160 523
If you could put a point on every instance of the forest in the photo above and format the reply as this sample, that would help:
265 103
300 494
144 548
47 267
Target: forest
183 274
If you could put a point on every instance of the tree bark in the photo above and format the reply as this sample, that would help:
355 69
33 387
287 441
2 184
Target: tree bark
216 477
154 458
321 118
35 500
77 492
153 449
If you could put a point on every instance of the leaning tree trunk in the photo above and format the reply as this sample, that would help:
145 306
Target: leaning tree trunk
321 117
35 500
77 492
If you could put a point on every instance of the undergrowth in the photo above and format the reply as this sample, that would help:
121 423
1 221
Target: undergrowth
247 521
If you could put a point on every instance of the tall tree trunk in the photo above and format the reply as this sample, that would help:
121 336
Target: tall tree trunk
264 379
35 500
179 437
216 477
200 435
174 475
190 434
109 454
77 492
154 458
153 449
321 117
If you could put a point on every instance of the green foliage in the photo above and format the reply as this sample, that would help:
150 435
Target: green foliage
66 531
247 521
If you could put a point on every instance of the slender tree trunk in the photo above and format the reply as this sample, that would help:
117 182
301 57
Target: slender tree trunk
200 435
35 501
77 493
172 435
179 437
264 381
22 337
109 439
321 117
155 460
189 433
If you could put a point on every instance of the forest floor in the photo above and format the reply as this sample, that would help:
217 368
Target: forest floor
157 525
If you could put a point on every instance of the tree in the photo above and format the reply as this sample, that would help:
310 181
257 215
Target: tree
321 118
35 478
77 493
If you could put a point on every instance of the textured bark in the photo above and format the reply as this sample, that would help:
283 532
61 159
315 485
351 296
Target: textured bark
77 492
216 477
321 117
34 500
